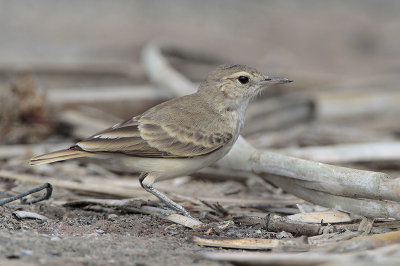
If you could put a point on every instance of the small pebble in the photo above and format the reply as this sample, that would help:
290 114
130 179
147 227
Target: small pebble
283 234
55 238
100 231
112 216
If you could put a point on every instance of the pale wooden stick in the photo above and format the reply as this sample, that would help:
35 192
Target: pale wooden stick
365 207
29 215
160 72
241 243
328 216
252 243
183 220
341 180
171 216
348 153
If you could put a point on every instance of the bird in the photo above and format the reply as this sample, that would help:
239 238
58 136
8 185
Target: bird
180 136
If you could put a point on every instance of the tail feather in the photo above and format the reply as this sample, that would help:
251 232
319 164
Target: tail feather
58 156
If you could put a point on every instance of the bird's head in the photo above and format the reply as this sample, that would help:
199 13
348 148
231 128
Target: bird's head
237 84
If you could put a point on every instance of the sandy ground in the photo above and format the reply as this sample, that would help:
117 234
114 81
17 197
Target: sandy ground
77 237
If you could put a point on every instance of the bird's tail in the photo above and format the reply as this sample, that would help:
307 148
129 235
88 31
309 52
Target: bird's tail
58 156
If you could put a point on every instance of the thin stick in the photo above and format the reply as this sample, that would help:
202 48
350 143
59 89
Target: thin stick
47 186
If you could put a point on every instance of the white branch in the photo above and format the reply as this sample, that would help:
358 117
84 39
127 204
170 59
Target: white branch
347 153
331 186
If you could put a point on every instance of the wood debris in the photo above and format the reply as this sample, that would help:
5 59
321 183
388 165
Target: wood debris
29 215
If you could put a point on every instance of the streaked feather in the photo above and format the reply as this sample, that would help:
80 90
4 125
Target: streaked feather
169 130
145 136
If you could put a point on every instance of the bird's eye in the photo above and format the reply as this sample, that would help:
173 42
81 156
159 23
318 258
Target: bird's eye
243 79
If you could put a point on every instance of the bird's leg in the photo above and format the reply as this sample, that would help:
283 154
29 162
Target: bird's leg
146 181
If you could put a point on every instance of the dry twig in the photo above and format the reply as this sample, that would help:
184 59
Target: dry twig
249 243
29 215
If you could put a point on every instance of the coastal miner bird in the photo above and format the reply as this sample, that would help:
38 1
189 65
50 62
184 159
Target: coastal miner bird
180 136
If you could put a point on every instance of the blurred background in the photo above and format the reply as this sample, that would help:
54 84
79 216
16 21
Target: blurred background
347 47
311 40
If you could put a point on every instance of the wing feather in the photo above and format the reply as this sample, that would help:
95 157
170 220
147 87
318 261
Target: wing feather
182 141
148 139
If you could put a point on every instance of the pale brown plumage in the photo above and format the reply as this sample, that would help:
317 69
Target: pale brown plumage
180 136
168 130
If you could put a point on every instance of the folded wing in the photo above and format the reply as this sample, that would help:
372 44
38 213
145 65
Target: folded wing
146 138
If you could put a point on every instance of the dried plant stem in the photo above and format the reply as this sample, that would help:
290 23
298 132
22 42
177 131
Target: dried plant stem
346 153
364 207
159 71
333 179
331 186
326 183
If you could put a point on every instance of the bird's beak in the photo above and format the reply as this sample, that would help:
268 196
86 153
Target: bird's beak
275 80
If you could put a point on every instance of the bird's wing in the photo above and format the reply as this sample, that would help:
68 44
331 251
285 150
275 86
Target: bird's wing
146 138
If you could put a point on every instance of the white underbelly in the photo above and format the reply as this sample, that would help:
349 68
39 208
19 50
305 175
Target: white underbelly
171 167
